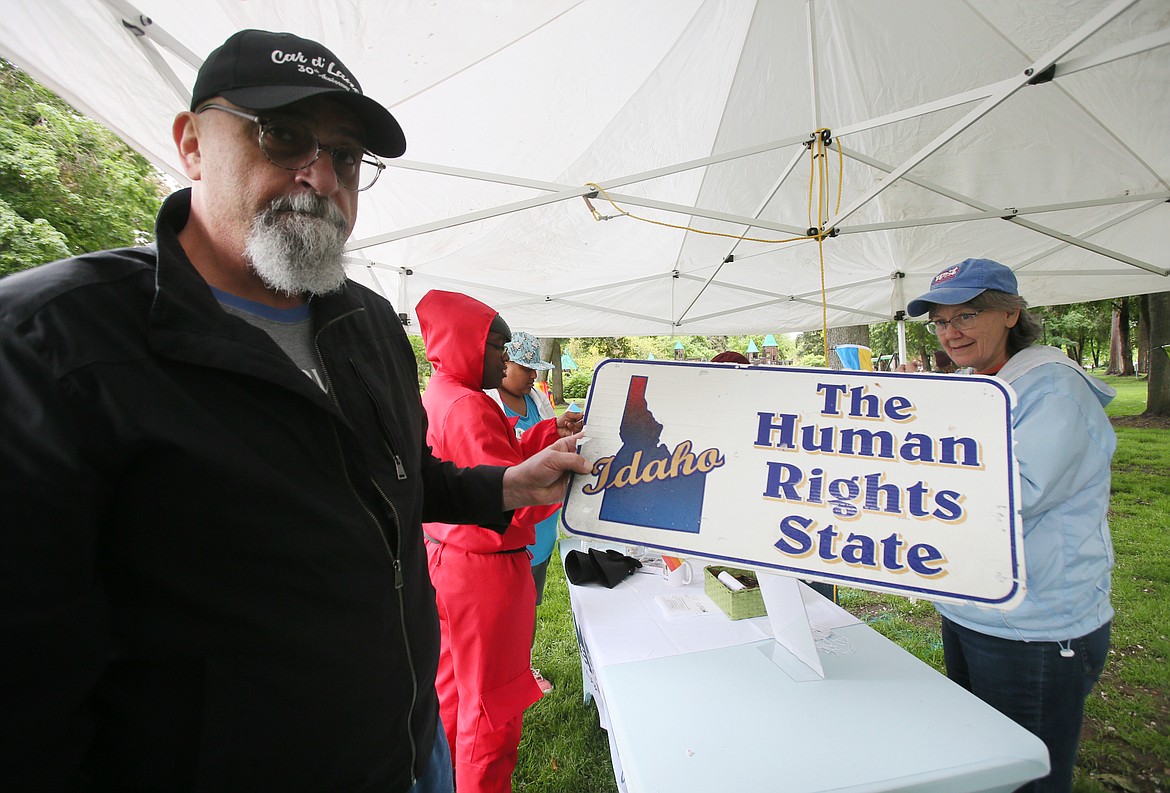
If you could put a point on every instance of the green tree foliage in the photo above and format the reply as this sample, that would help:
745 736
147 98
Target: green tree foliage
67 184
810 349
1081 329
425 370
577 385
920 343
589 352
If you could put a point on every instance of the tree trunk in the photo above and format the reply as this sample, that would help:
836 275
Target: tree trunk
550 350
1120 350
850 334
1158 386
1143 344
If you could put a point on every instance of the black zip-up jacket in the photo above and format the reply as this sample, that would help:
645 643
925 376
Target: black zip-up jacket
212 574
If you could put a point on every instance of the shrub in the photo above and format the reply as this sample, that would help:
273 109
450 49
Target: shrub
577 386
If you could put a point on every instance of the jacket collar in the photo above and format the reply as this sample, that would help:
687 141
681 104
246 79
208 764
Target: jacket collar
187 322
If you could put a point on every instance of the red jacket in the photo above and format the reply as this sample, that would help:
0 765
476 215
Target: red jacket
467 427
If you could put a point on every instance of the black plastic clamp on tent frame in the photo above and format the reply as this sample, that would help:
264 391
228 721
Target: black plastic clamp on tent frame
1042 77
137 29
814 232
826 136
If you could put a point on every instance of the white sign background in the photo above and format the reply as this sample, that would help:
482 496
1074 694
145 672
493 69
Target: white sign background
911 488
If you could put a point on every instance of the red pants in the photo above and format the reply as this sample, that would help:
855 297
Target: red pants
487 604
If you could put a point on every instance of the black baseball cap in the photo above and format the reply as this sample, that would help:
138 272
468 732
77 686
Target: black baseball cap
260 70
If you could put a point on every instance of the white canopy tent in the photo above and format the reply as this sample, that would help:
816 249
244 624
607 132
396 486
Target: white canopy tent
1034 132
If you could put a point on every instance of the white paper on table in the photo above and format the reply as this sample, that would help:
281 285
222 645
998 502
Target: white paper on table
624 624
682 605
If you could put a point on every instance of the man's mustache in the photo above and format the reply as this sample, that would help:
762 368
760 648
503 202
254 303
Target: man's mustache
308 204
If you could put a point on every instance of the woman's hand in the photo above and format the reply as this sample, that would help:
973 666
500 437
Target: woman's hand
570 423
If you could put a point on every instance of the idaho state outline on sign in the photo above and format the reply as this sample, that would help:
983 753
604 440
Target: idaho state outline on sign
648 483
893 482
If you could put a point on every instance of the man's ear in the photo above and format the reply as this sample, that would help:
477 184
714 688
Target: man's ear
185 131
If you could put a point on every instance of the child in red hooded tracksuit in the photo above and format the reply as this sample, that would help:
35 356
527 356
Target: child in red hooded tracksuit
483 580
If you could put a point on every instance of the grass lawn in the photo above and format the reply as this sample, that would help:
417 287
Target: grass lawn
1126 744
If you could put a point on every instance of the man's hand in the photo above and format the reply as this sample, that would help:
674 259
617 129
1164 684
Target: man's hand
541 478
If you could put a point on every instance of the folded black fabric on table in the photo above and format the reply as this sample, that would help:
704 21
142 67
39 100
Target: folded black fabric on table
605 567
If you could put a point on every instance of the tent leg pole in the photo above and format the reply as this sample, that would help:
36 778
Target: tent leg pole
901 339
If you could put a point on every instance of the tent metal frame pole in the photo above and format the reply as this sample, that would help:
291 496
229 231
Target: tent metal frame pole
1089 246
1151 41
146 33
1097 230
900 313
805 301
730 253
133 18
770 194
1005 91
1127 49
1008 215
563 192
996 214
810 30
812 298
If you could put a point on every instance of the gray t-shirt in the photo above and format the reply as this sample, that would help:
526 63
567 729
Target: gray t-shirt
290 328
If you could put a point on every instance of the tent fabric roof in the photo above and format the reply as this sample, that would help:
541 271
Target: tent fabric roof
1031 132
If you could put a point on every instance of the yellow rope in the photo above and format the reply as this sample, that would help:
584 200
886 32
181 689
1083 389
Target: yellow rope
820 167
818 178
598 216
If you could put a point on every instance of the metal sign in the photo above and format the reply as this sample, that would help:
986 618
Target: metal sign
898 483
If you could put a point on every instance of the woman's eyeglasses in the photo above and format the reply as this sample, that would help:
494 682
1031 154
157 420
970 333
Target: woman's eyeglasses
958 322
293 146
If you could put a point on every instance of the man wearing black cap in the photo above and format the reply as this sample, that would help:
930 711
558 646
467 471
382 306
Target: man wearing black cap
212 574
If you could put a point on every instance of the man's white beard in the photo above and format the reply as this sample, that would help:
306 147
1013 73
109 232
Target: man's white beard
296 245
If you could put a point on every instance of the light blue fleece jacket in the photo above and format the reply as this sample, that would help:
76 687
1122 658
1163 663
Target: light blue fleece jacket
1064 446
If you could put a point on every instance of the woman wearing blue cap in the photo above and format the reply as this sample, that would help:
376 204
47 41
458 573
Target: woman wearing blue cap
1038 662
528 407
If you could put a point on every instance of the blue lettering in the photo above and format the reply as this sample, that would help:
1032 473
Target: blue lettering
782 481
968 446
831 392
786 427
890 547
850 437
795 528
860 550
948 505
919 558
899 408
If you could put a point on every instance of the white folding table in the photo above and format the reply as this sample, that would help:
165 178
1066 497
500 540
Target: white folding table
698 703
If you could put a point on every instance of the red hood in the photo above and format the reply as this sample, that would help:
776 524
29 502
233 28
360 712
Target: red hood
454 330
465 425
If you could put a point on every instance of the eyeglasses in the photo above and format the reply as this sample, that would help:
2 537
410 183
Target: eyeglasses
293 146
499 347
958 322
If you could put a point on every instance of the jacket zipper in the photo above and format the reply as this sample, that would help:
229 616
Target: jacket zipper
395 562
387 437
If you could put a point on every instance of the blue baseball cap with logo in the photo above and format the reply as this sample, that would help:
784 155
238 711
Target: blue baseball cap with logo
963 282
